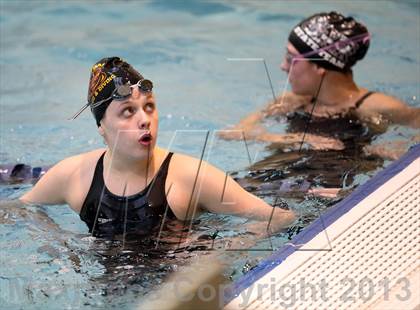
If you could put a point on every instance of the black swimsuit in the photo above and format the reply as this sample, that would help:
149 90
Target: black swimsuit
108 215
347 128
328 168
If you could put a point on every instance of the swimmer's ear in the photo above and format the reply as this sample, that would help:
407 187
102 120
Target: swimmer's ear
101 131
321 71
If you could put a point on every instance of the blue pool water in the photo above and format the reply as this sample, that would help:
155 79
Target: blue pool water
46 50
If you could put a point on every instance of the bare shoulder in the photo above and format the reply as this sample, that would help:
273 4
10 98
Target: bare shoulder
77 163
84 161
191 173
185 167
380 102
193 185
179 184
188 171
65 182
380 107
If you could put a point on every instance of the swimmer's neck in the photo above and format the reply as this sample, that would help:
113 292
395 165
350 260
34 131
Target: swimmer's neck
338 89
117 164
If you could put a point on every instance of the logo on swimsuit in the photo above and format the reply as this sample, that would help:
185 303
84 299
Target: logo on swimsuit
103 220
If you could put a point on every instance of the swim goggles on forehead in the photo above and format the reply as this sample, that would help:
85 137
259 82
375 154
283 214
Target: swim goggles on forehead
120 93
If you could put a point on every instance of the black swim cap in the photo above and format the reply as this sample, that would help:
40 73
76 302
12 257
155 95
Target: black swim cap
338 41
107 74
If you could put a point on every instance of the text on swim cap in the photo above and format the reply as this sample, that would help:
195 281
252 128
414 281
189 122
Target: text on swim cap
311 43
103 84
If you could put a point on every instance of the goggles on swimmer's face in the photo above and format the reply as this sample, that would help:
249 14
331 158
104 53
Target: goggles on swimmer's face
121 92
290 56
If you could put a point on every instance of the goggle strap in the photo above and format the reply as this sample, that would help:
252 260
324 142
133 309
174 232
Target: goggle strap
78 112
97 104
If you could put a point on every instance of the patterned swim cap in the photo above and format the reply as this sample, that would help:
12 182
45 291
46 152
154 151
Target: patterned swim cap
107 74
337 41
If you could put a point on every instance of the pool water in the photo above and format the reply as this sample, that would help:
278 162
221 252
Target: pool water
186 48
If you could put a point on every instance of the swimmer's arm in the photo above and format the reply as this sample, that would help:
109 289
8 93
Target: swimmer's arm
391 150
408 116
250 126
221 194
52 188
392 109
294 140
12 209
16 207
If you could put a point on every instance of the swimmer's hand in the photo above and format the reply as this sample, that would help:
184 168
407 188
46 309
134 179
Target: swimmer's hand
240 132
287 103
324 192
278 221
259 133
258 230
294 139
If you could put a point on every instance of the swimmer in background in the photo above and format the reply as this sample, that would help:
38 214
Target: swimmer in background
326 110
132 186
320 54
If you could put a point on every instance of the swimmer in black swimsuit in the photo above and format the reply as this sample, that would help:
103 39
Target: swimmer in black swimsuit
133 187
320 54
108 215
326 110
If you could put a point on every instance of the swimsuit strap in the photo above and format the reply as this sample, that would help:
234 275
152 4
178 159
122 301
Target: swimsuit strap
97 186
99 173
156 186
362 99
98 183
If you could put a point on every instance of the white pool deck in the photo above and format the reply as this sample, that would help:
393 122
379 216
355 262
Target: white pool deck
361 254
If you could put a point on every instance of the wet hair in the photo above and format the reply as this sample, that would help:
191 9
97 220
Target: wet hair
107 74
331 40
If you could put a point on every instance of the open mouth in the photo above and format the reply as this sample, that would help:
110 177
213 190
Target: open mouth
146 139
